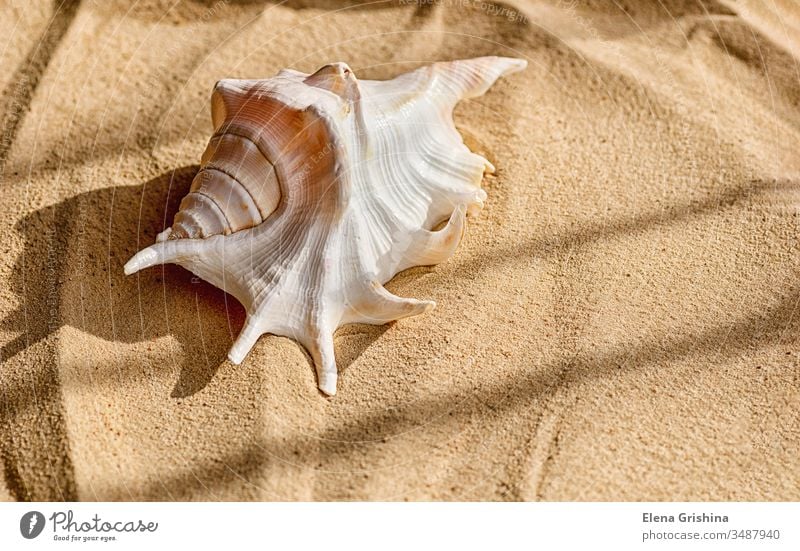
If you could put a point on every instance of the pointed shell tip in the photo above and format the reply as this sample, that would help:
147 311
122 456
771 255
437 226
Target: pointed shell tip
235 359
327 382
516 64
143 259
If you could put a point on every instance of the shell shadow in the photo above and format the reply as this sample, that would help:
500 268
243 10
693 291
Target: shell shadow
358 338
70 274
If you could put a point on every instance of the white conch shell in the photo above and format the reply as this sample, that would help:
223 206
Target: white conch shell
315 190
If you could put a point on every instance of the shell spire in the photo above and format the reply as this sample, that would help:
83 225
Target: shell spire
316 189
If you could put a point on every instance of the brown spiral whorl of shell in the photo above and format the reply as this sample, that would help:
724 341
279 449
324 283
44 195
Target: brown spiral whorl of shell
237 186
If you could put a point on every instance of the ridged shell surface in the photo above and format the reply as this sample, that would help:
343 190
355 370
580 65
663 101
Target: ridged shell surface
315 190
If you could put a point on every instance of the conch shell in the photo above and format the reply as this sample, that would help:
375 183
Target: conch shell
315 190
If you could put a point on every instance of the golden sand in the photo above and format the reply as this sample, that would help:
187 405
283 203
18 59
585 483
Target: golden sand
621 321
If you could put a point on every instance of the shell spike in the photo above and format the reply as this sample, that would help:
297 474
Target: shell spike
379 306
432 247
321 349
164 252
246 340
473 77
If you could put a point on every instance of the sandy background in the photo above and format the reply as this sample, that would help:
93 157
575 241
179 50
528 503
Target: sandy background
620 323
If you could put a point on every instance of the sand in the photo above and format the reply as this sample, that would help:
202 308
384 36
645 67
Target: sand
621 322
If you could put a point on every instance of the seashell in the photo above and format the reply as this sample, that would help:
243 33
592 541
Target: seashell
315 190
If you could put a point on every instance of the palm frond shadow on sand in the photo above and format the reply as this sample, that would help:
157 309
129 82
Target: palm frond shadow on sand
505 397
70 274
776 324
16 98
